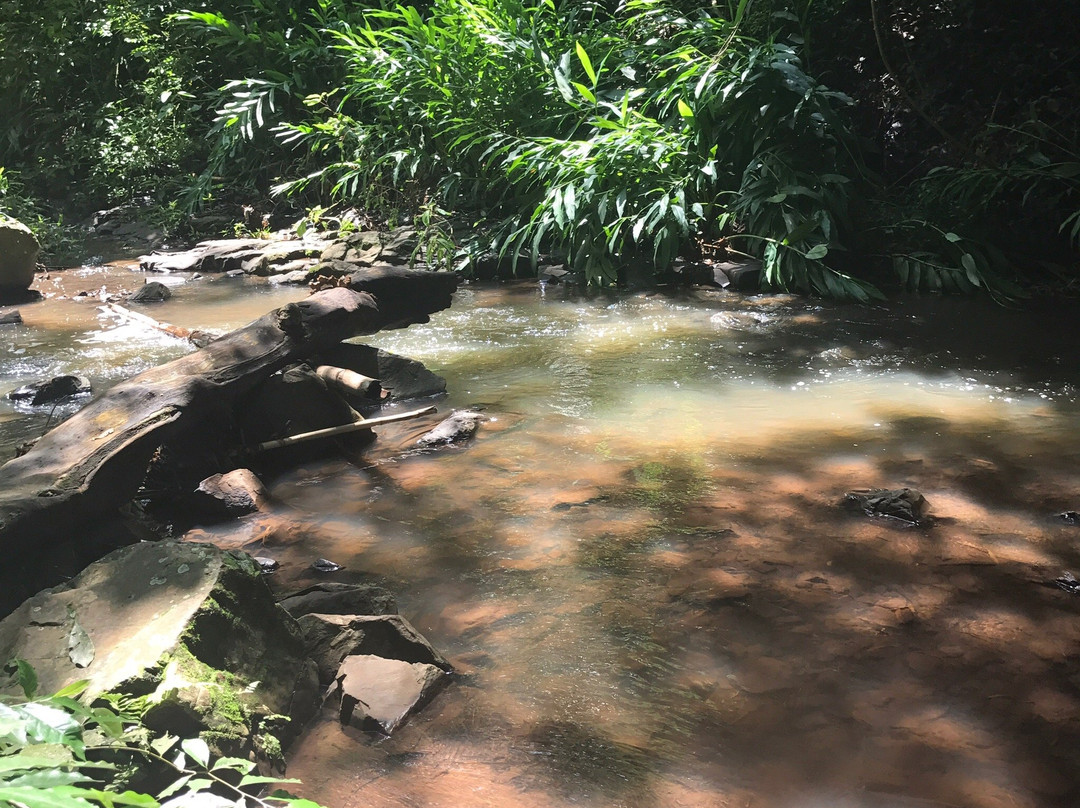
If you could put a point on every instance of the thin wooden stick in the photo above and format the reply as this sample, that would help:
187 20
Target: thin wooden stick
168 328
344 429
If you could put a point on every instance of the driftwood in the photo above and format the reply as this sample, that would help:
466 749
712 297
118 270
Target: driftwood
95 462
344 429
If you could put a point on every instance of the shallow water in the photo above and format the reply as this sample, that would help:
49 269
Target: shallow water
642 574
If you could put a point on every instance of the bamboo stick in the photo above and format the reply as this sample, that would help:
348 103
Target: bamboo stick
344 429
349 380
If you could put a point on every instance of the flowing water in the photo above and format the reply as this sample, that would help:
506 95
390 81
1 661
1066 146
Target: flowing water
640 568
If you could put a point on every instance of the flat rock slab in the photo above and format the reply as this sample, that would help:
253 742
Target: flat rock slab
378 695
251 255
192 628
329 638
340 598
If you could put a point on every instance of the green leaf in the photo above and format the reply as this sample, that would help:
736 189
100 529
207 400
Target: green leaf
818 251
254 779
80 647
197 749
74 690
236 764
953 237
585 92
28 680
163 744
586 63
60 797
685 111
174 787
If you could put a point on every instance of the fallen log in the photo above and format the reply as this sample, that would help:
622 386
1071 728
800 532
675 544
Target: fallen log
93 463
344 429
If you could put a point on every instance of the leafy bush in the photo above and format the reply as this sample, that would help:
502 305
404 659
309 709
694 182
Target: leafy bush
605 136
55 752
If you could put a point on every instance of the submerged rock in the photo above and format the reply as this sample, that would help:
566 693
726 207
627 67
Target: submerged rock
192 629
378 695
18 257
457 428
904 504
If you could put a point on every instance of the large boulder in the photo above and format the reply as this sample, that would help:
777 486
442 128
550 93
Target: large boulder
191 628
18 256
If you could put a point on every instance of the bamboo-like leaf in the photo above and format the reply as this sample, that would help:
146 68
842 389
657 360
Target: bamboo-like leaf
586 62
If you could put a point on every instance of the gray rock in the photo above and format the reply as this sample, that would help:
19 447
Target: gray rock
340 598
18 256
250 255
459 427
398 246
903 504
10 317
329 638
189 627
51 391
235 493
378 694
296 277
744 276
151 292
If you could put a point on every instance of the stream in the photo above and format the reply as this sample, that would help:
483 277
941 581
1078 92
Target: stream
640 567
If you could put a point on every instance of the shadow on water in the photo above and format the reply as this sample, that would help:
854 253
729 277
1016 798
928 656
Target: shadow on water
655 599
642 573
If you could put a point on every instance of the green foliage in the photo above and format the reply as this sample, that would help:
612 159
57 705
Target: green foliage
55 753
59 241
262 61
84 85
604 136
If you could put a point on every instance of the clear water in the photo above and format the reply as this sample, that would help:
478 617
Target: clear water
641 572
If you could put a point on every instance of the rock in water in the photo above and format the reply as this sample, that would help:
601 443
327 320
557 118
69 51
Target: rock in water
194 627
51 391
340 598
904 504
18 257
151 292
379 694
457 428
236 493
329 638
